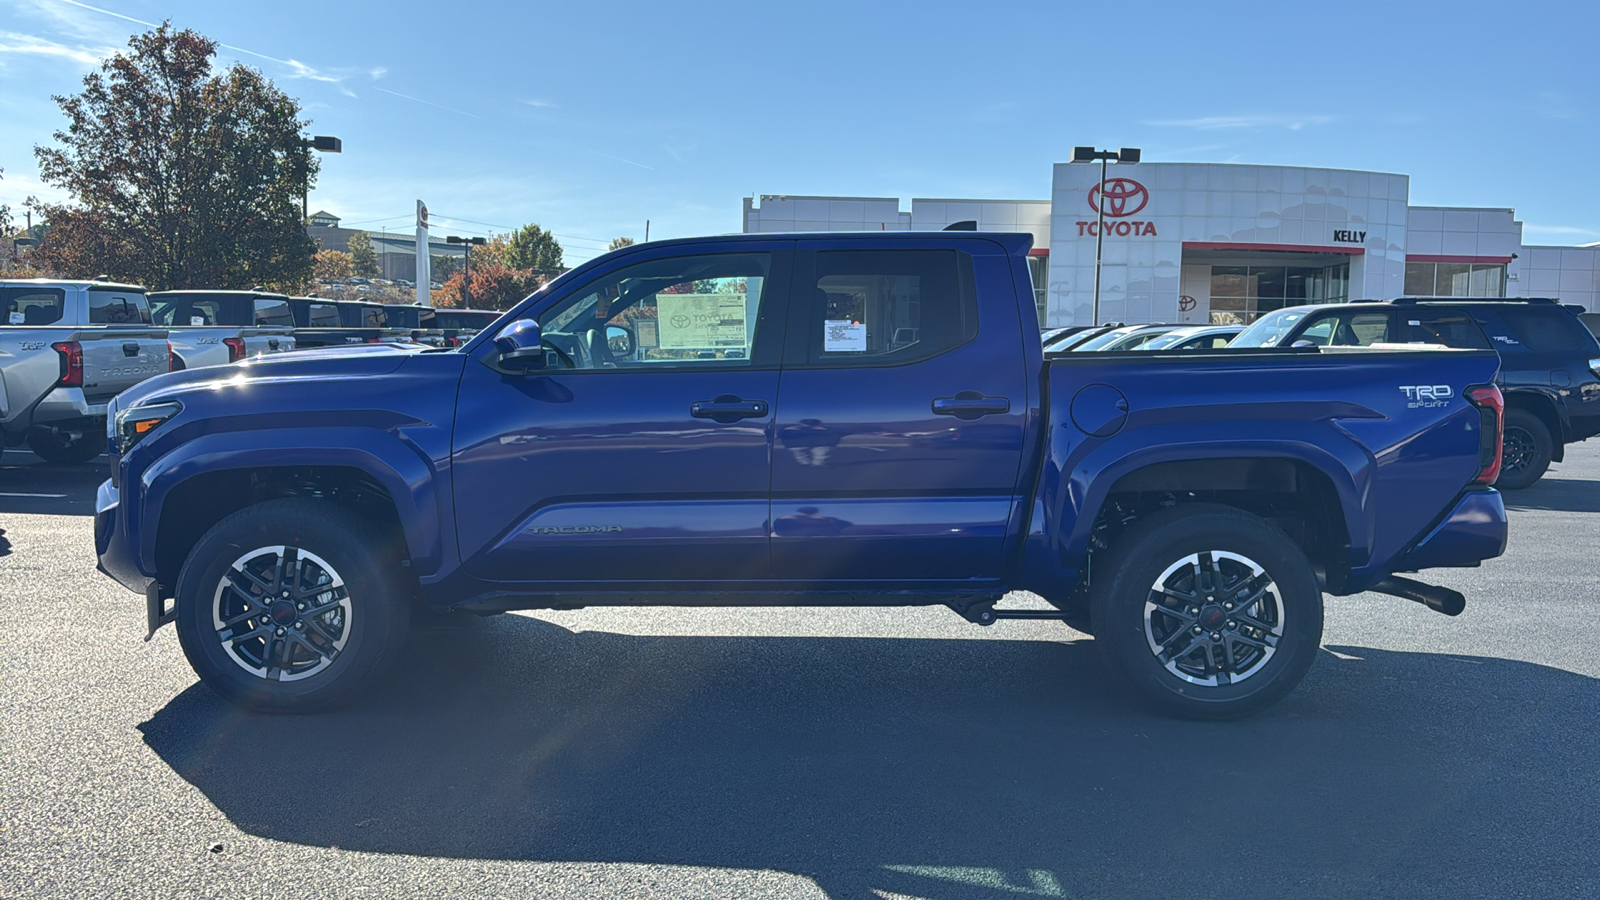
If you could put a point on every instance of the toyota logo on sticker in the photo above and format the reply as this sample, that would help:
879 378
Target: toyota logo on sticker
1123 197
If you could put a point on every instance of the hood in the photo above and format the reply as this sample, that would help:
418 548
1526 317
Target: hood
356 360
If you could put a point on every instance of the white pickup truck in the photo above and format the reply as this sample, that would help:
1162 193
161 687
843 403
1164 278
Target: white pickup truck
66 348
214 328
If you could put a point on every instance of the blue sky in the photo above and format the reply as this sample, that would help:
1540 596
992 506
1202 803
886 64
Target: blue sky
592 118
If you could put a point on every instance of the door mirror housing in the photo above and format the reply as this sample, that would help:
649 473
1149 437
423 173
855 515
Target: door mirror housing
620 341
519 347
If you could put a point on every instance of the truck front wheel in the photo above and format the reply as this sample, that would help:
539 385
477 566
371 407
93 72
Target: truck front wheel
1208 611
291 605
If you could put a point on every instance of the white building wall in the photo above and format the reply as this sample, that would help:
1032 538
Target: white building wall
1570 274
1202 206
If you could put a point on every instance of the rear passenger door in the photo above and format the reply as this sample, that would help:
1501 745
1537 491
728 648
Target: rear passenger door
898 432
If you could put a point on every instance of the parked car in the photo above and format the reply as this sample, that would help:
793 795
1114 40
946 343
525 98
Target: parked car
459 325
1065 342
66 348
629 435
214 328
369 315
420 320
318 322
1194 337
1550 363
1128 337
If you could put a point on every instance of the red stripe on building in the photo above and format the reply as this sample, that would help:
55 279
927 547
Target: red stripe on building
1492 260
1039 251
1280 248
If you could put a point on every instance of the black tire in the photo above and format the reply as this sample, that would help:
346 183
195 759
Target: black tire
50 447
359 635
1527 452
1172 548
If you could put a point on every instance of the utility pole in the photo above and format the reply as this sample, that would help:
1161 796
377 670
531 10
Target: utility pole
466 265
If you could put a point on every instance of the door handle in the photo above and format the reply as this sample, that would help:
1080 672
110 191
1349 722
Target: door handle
728 408
971 405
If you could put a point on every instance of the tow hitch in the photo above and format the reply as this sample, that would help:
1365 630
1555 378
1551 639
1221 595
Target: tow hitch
1438 599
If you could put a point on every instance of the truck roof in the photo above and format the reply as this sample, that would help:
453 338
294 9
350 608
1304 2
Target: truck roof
188 292
70 282
1015 242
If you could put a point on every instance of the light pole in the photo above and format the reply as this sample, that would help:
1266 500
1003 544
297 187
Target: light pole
323 144
1090 154
466 265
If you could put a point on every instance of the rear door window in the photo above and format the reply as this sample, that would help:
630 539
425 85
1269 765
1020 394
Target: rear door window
324 315
31 305
118 307
1451 330
889 306
1348 329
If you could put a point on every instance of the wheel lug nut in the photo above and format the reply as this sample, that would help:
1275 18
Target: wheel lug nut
299 626
1198 629
1216 635
1227 606
1232 624
299 606
1194 610
280 632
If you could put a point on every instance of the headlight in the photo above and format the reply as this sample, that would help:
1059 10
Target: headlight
133 424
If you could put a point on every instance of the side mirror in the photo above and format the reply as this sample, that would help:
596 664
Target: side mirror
520 347
620 341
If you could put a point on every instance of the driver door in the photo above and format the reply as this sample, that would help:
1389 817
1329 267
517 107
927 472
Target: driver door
641 454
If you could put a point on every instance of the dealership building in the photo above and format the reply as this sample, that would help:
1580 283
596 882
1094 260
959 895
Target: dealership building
1206 242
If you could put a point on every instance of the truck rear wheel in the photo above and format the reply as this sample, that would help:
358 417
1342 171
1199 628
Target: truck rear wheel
62 449
1526 454
290 606
1208 611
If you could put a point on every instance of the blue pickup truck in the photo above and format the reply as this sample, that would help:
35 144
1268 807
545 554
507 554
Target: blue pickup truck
814 419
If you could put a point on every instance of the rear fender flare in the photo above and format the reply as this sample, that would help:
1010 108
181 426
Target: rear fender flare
1096 473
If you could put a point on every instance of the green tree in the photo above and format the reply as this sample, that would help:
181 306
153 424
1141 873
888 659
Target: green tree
179 177
363 259
531 247
619 243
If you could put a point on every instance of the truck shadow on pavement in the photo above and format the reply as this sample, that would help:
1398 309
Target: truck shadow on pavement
937 768
1557 494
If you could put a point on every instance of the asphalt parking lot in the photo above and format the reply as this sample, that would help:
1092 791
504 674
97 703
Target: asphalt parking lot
806 753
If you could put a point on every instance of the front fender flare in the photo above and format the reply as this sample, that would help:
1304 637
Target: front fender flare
410 477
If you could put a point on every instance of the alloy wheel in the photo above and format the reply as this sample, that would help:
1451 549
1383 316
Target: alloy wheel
1214 618
282 613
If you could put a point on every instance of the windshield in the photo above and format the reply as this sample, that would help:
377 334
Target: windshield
1268 330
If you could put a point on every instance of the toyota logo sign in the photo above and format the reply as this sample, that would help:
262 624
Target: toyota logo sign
1123 196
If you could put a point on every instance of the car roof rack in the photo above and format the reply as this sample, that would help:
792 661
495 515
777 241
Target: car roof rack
1413 300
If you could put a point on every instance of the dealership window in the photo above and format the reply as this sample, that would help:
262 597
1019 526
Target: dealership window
1428 279
1039 271
1240 294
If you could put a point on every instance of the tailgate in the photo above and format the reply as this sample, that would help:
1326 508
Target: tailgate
262 341
117 359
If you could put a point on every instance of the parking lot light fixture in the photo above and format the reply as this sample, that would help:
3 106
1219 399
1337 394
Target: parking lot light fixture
466 265
1090 154
321 143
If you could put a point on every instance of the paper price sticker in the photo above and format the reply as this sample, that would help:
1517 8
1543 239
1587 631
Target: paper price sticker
843 336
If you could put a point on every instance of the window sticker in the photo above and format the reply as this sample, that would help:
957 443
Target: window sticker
701 321
18 318
197 320
844 336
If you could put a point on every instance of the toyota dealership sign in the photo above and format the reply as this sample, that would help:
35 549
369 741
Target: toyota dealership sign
1123 197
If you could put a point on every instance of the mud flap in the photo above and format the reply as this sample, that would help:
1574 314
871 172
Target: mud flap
156 613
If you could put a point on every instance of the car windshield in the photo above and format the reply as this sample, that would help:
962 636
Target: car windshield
1268 330
1163 341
